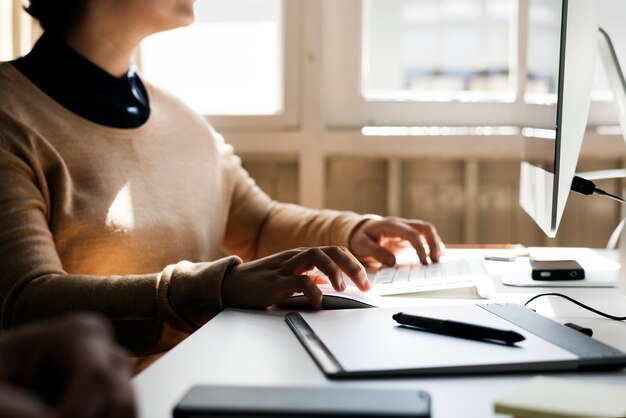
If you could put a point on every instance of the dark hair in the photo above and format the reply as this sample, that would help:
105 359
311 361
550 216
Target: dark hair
56 16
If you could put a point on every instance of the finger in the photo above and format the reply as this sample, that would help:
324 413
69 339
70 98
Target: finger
279 259
84 397
399 228
120 400
379 253
18 403
305 285
316 257
432 237
319 279
348 264
94 378
101 392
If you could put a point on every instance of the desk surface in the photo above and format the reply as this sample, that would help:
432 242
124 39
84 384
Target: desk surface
241 347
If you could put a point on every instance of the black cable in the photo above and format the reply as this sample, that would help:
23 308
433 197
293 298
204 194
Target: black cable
587 187
607 194
582 305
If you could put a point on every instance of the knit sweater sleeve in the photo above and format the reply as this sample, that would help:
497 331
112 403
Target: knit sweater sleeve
34 285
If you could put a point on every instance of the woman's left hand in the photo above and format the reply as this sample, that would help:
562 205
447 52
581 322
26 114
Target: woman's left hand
380 239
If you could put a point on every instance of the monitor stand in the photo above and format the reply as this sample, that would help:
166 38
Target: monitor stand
615 78
617 84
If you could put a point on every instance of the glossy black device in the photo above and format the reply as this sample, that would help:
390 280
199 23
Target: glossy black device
556 270
458 329
206 401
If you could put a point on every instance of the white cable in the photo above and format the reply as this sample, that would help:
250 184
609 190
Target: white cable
617 232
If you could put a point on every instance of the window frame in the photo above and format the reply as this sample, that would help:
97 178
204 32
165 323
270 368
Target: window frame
288 118
347 108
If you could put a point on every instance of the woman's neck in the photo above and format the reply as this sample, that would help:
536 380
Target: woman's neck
110 50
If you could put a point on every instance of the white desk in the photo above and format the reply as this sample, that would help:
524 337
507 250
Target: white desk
257 348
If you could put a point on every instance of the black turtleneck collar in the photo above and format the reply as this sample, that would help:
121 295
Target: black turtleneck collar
84 88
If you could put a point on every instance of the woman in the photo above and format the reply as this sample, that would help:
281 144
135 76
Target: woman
117 198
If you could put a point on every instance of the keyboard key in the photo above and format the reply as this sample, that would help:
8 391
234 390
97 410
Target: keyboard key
402 274
384 275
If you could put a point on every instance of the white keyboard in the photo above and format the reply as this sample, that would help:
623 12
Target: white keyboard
451 272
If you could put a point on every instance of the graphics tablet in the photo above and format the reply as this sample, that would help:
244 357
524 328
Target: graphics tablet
368 343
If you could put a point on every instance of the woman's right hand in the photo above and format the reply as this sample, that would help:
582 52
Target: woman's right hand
273 279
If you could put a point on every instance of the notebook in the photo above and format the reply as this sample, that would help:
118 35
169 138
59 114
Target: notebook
548 397
368 343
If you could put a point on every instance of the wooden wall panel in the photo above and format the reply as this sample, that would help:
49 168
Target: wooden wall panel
588 221
450 194
356 184
279 179
500 217
433 190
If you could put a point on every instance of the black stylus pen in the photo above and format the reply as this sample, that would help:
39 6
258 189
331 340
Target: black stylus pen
458 329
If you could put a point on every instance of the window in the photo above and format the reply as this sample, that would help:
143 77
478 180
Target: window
542 58
437 49
241 63
6 29
452 62
17 31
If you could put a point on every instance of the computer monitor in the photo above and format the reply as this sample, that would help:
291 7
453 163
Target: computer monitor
551 155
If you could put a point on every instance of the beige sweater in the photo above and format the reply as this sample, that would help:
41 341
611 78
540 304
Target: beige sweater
131 223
